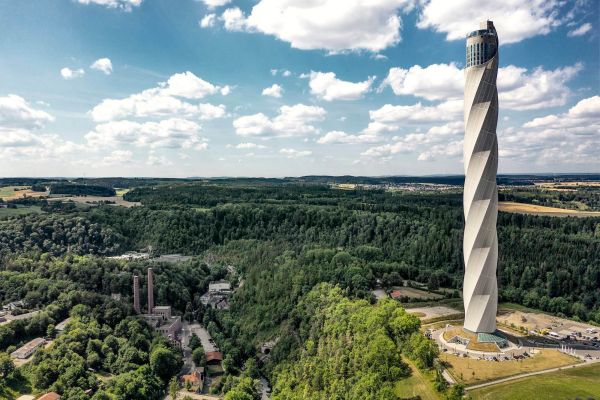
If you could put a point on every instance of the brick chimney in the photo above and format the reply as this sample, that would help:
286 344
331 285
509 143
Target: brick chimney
136 293
150 291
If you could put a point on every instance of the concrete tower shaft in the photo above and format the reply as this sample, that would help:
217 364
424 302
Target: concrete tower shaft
480 245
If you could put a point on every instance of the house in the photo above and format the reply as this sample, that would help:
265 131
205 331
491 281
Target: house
217 296
219 286
15 305
28 349
50 396
214 358
194 381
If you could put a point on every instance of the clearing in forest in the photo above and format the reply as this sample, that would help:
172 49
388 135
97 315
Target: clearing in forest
523 208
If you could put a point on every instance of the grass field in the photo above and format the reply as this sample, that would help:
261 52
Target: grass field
418 384
469 371
522 208
4 212
581 382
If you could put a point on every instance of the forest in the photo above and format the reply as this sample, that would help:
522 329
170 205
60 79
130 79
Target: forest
308 255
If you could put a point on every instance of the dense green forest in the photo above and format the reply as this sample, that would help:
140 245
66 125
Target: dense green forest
308 256
81 190
548 263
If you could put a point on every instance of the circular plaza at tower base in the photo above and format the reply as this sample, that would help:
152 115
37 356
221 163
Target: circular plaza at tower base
462 342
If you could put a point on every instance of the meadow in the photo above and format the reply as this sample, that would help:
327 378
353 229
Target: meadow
580 382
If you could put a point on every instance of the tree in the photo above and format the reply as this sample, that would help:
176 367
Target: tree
7 367
140 384
198 357
164 362
50 331
456 392
194 342
173 388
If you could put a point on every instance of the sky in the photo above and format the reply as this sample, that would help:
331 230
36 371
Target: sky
289 87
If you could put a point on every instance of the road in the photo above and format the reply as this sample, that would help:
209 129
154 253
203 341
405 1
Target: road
512 378
186 334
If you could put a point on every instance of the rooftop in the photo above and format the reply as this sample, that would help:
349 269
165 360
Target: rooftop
50 396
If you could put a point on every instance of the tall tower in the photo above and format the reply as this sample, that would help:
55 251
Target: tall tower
480 245
136 293
150 291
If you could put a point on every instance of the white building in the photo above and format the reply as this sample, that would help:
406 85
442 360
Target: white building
28 349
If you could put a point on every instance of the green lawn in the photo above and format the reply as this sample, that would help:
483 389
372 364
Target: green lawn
4 212
581 382
419 383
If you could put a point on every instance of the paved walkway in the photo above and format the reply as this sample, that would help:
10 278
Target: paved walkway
514 377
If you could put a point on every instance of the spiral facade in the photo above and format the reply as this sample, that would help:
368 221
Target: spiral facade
480 244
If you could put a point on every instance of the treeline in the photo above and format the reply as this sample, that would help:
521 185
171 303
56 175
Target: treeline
81 190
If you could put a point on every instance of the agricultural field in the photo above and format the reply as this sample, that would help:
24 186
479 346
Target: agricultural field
533 209
95 200
470 372
17 192
580 382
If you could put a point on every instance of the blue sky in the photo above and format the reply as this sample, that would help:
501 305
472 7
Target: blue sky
288 87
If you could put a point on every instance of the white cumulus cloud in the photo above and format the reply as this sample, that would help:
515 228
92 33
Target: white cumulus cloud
518 88
291 121
126 5
68 73
325 24
515 20
293 153
208 21
165 100
103 64
326 86
215 3
173 133
273 91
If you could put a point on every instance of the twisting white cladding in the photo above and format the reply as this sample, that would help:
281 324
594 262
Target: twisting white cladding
480 245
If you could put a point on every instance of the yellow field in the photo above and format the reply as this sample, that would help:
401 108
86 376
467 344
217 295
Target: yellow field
17 192
470 371
512 207
557 185
121 192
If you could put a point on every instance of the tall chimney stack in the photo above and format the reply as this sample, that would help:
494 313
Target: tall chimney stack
150 291
136 293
